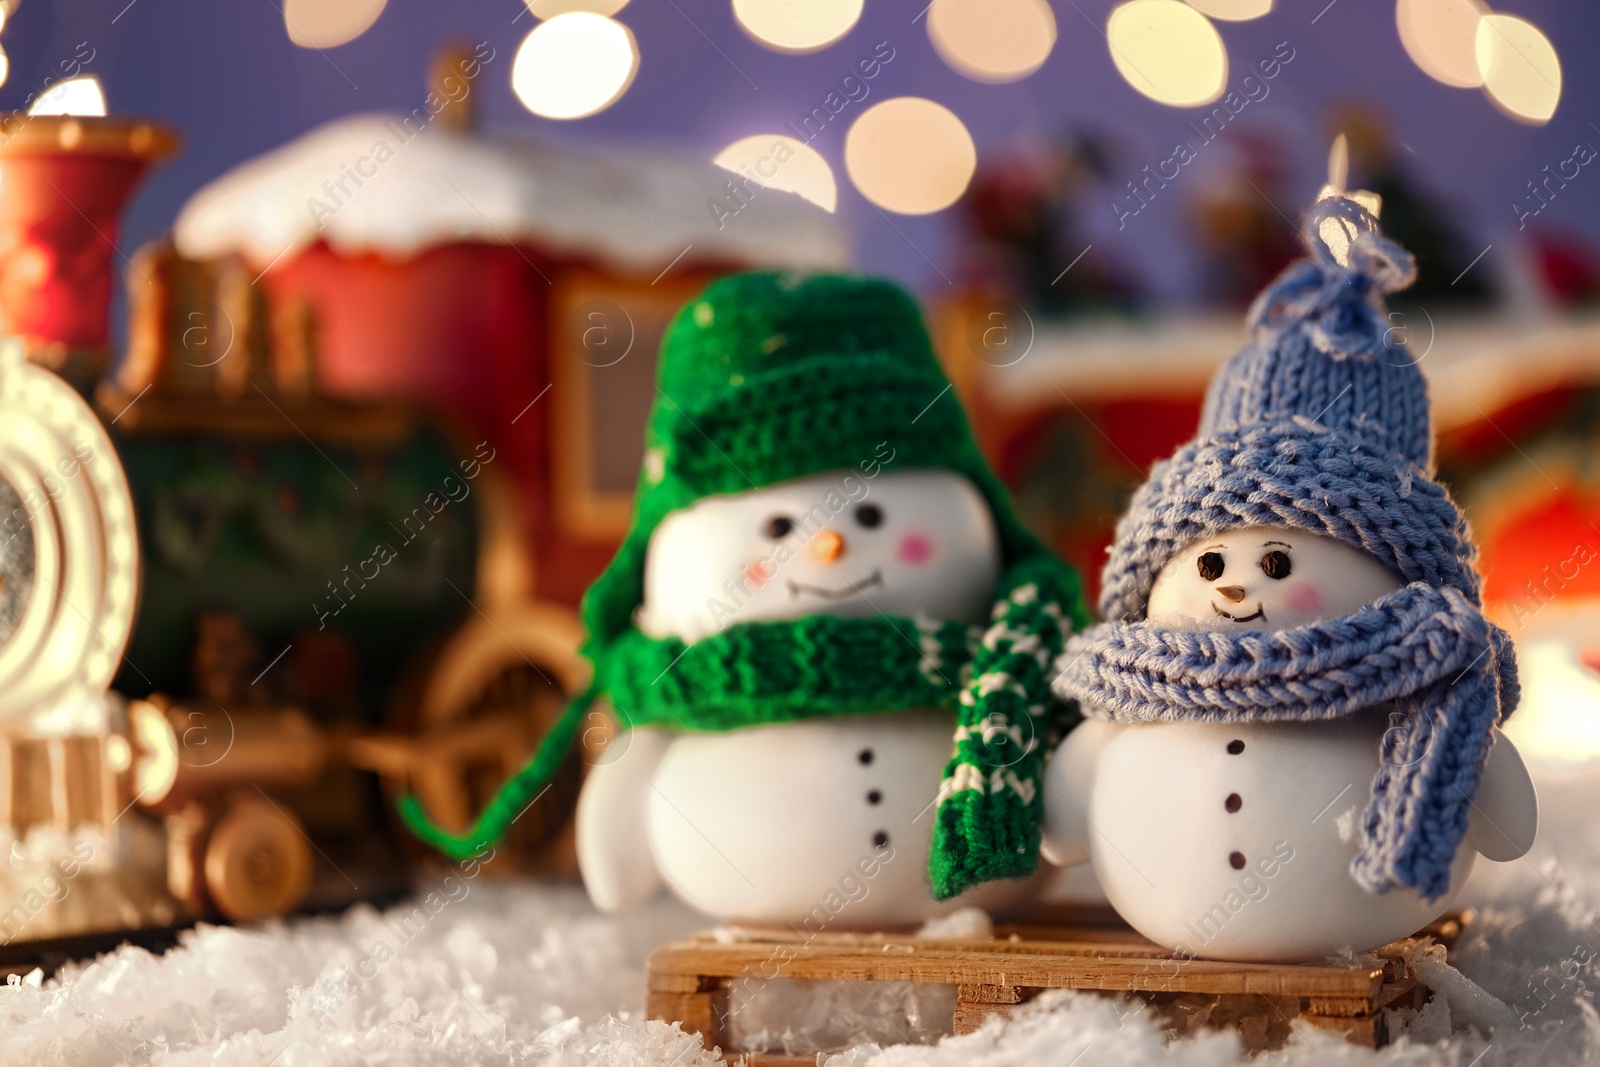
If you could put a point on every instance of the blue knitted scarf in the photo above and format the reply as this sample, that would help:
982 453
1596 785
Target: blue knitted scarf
1448 672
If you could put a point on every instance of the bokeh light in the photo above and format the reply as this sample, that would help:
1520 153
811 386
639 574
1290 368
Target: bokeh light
992 40
75 96
574 65
910 155
1441 37
1168 51
797 25
1555 724
328 23
775 161
1232 10
549 9
1520 69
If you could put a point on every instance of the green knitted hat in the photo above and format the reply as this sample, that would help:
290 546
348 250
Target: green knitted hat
765 378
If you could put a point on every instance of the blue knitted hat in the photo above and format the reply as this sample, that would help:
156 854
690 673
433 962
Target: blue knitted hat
1321 423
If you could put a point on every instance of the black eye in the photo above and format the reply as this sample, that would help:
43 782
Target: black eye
1275 564
869 515
778 527
1211 565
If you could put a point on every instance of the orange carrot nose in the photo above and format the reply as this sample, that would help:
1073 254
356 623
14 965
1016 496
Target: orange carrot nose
828 546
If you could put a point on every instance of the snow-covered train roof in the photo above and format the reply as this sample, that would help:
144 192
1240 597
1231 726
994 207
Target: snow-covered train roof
368 184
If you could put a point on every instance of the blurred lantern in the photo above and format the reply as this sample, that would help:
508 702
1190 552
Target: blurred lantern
574 65
549 9
1232 10
6 8
1541 565
1462 43
1520 69
797 25
1558 722
66 178
329 23
775 161
992 40
1168 51
75 96
1441 36
910 155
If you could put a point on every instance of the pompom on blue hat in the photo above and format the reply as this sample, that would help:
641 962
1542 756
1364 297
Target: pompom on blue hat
1321 423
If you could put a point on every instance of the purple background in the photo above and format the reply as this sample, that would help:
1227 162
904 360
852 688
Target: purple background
226 74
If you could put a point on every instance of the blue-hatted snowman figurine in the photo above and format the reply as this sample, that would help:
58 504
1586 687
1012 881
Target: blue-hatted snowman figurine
1292 745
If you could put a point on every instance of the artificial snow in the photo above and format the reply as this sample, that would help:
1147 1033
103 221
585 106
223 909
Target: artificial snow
522 973
368 183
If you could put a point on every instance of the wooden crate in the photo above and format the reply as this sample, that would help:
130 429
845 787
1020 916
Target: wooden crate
689 981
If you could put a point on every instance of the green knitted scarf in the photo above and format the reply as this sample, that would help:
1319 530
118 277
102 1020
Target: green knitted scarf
995 679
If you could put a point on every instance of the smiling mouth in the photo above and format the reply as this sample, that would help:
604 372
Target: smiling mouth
853 589
1259 614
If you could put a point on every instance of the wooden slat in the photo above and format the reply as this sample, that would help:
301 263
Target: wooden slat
1069 941
1346 1007
673 982
979 993
969 1017
695 1011
895 962
1364 1030
994 976
977 1001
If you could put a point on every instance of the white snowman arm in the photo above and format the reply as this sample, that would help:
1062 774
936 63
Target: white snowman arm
619 869
1068 782
1505 813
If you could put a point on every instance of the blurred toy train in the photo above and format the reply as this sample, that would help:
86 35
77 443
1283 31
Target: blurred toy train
335 605
345 500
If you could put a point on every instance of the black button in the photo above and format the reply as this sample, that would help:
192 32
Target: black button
1236 860
874 797
865 757
1232 803
1235 747
880 840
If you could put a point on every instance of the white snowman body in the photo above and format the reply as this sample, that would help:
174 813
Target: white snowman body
822 822
1235 841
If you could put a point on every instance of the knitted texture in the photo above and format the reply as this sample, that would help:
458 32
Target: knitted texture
993 678
765 672
990 812
1320 424
765 378
1448 672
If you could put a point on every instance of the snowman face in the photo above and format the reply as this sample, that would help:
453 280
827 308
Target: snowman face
910 542
1265 578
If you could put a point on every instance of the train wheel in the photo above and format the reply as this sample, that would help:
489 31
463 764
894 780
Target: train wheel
257 861
488 697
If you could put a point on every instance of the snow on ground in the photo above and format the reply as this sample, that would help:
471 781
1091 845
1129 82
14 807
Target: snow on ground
483 973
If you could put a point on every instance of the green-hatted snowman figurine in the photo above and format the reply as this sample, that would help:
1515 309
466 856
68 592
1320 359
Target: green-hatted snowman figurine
823 584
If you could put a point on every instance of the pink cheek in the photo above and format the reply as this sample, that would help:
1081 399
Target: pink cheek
914 549
1304 599
755 572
